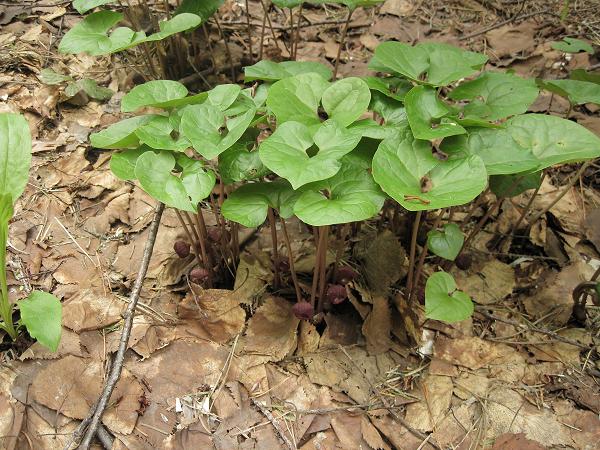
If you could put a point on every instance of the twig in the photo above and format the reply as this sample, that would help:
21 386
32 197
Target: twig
342 40
532 328
117 365
275 422
504 22
76 243
413 248
273 227
249 33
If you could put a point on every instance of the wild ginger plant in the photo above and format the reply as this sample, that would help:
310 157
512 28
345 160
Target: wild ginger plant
40 312
429 135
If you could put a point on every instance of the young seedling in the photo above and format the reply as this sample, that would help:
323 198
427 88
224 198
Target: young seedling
41 313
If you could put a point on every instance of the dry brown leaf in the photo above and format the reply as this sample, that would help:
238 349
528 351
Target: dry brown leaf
400 8
70 344
472 352
356 432
555 293
377 327
511 40
342 329
584 426
568 210
308 338
487 284
592 227
469 385
91 310
436 393
271 330
71 385
508 441
561 351
253 274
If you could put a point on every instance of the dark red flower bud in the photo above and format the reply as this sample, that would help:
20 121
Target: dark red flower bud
182 249
303 310
336 293
283 265
216 235
199 275
464 261
345 275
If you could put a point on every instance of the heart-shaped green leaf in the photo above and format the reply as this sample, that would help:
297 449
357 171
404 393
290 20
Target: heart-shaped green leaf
83 6
90 35
121 134
392 111
158 132
241 163
224 95
513 185
582 75
249 204
198 181
554 140
90 87
426 112
346 100
497 148
153 93
349 196
122 164
177 24
576 91
392 87
153 170
15 155
442 63
49 76
446 243
272 71
289 151
444 302
297 98
406 169
572 45
203 8
41 313
496 95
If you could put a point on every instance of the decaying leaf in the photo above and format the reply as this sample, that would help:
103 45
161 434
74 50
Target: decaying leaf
490 283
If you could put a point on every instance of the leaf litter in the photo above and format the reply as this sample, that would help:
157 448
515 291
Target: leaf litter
235 368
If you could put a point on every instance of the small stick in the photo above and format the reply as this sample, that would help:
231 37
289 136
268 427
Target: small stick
342 40
413 248
563 193
249 34
117 366
194 228
323 238
227 49
273 226
286 238
297 35
275 422
271 25
262 36
291 31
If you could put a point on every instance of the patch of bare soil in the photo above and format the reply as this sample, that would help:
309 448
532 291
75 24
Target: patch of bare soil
234 368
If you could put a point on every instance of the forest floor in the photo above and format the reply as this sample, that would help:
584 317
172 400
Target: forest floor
230 369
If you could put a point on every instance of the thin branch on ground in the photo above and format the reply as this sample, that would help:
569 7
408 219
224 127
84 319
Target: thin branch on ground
117 365
275 422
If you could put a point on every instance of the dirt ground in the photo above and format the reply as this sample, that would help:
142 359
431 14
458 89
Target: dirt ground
233 368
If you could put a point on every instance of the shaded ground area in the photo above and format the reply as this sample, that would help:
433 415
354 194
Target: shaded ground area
234 368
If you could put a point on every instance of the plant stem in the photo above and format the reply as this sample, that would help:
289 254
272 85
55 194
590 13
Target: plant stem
117 365
5 306
208 265
249 34
421 263
262 36
563 193
273 226
286 239
413 248
271 25
474 207
342 40
323 241
341 234
291 31
297 34
227 49
193 242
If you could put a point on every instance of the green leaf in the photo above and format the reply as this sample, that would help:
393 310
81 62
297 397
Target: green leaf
83 6
582 75
153 93
90 87
351 195
289 151
122 164
198 181
241 163
41 313
177 24
203 8
287 3
406 169
495 95
224 95
513 185
49 76
442 63
90 35
497 148
426 113
392 111
554 140
158 133
121 134
350 4
572 45
346 100
273 71
15 154
576 91
297 98
446 243
444 302
249 204
153 170
392 87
